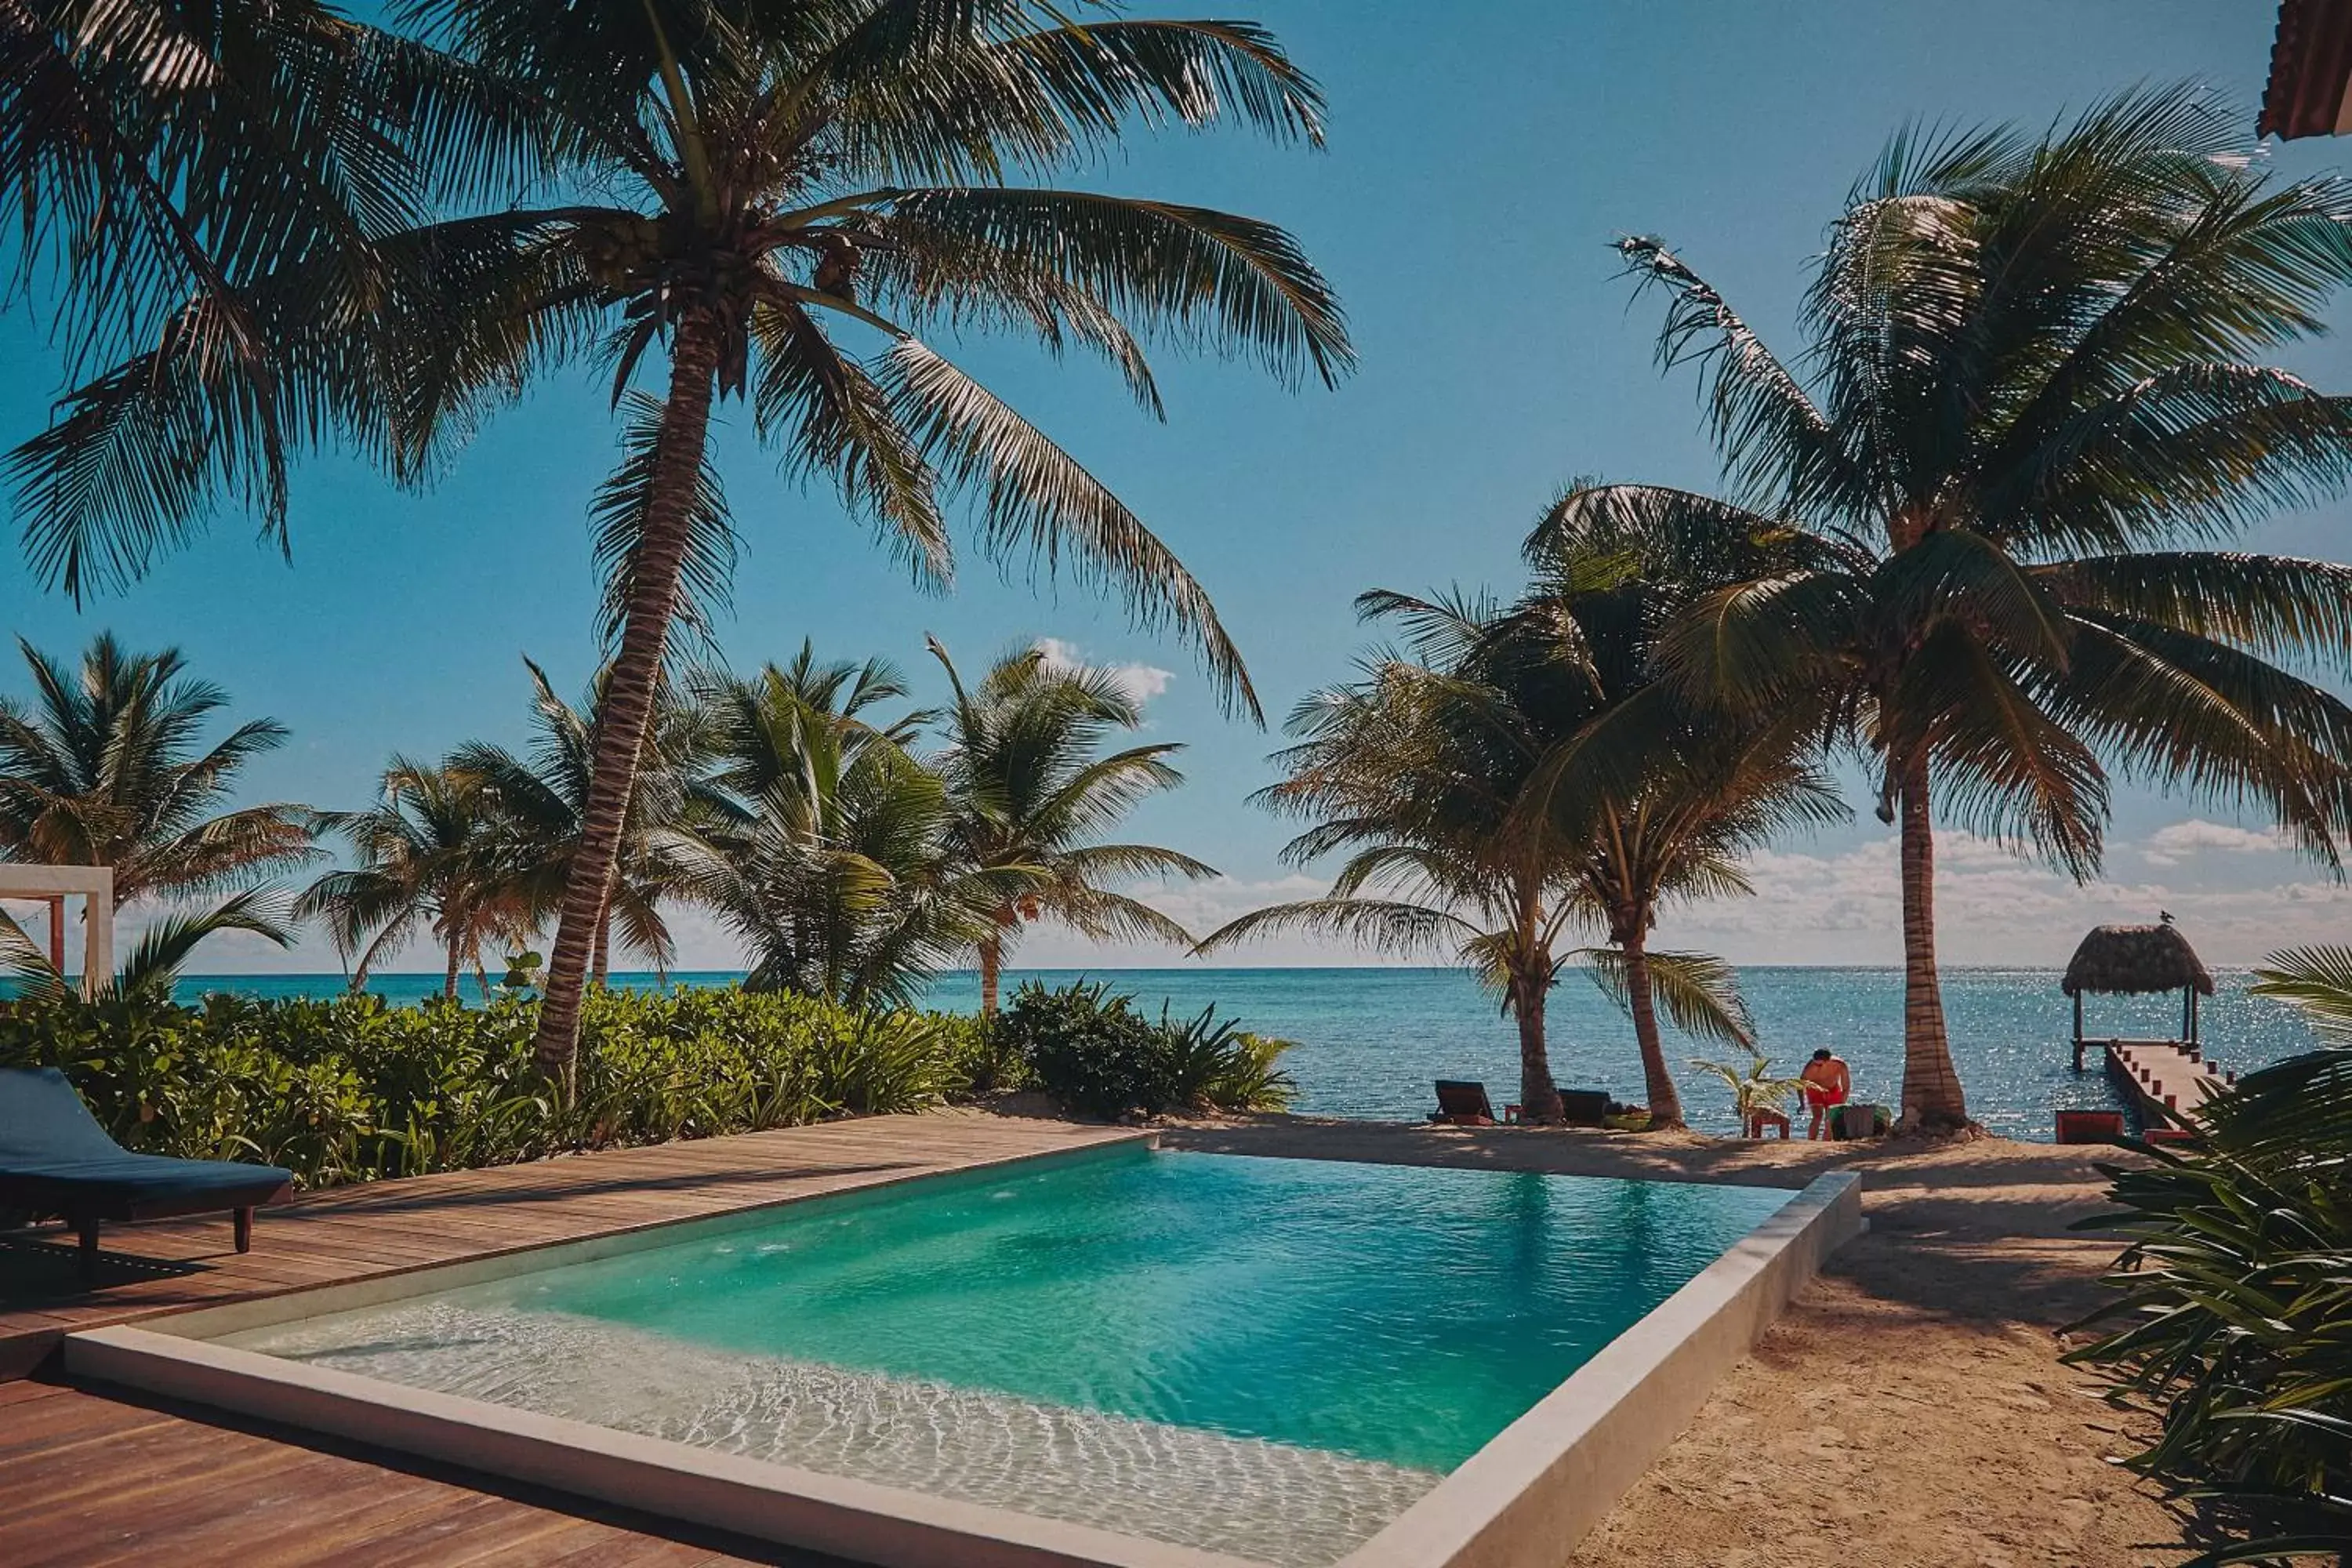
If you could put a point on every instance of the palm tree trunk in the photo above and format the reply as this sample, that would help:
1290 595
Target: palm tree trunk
604 965
1665 1104
1538 1096
1931 1087
991 963
629 694
449 980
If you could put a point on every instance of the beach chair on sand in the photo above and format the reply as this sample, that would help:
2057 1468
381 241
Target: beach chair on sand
1461 1104
55 1158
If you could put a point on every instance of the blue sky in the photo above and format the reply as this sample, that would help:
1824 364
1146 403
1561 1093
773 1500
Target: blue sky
1481 159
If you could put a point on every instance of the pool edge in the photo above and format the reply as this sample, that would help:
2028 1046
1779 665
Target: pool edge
1538 1487
1520 1501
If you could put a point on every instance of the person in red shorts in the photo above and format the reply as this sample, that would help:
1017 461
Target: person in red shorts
1828 1082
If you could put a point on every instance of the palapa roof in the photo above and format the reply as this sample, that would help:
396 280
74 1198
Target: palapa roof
2136 958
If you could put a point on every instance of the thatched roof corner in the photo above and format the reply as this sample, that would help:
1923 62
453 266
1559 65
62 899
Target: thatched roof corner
2129 959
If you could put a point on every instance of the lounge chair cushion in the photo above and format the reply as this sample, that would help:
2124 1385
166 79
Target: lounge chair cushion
52 1151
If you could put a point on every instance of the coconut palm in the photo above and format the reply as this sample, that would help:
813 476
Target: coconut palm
834 865
1030 789
754 188
202 188
1658 798
101 768
536 803
2036 382
430 861
1424 769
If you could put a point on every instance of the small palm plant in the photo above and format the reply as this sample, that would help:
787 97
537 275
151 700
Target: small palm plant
2230 1328
1755 1090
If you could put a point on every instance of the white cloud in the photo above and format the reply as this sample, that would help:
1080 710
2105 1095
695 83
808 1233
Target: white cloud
1142 682
2169 845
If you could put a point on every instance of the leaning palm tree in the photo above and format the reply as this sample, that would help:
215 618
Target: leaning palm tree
1423 770
101 769
2037 381
537 802
752 189
1030 788
429 861
834 865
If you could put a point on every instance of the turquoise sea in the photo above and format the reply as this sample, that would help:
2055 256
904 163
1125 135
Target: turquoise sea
1372 1040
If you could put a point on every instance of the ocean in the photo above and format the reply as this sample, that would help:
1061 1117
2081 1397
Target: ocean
1370 1041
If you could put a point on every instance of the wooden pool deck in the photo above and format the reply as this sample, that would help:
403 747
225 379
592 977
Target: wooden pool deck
88 1480
91 1477
350 1232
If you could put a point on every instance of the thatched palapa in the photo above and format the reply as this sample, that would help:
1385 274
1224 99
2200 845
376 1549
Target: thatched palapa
2133 959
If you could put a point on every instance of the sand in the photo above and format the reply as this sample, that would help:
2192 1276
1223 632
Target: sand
1909 1408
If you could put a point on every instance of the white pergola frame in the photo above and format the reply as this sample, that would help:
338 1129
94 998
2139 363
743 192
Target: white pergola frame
52 884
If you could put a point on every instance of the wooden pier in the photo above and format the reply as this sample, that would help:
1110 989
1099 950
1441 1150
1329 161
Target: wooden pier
2164 1079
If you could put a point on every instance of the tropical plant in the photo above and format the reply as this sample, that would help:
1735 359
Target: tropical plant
536 803
101 769
2316 982
1755 1090
430 859
2037 381
1658 798
352 1089
2232 1328
828 855
1421 769
1092 1051
1029 790
741 183
152 965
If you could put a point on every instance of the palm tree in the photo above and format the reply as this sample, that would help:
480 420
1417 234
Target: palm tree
1028 790
2038 382
833 863
203 188
101 769
536 805
744 185
429 860
1658 799
1426 769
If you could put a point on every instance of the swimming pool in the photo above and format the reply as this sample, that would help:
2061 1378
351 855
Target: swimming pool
1270 1360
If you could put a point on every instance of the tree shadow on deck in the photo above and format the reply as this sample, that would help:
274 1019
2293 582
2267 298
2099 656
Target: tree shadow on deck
547 1185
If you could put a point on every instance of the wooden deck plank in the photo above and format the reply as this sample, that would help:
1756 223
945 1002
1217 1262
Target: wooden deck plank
91 1480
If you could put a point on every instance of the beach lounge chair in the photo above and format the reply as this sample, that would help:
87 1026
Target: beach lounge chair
1583 1107
1462 1104
56 1159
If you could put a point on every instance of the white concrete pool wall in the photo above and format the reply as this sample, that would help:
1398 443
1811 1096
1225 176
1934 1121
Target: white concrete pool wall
1521 1501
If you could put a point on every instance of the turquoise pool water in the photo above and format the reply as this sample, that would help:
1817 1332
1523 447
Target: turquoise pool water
1287 1329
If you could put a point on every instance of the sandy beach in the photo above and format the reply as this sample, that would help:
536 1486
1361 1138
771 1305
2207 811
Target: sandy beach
1909 1408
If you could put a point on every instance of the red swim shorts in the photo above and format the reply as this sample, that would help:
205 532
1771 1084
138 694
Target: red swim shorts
1816 1095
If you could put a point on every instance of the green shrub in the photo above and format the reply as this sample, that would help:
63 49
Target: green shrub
351 1090
2235 1313
1093 1053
